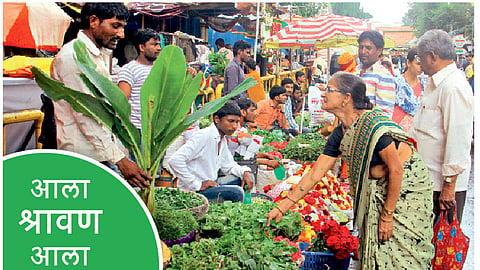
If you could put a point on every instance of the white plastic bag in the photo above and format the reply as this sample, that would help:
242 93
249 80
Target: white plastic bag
315 101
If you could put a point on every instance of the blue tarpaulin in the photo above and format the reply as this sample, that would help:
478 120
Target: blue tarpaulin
229 38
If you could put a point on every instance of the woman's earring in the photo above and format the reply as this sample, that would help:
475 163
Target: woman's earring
343 104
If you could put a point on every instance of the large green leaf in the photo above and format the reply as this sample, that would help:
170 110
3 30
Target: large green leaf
207 109
163 84
115 97
80 102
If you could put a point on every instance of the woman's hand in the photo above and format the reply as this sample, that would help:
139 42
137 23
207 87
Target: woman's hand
274 214
385 227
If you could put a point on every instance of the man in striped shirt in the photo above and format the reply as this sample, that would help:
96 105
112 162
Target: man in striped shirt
133 75
380 83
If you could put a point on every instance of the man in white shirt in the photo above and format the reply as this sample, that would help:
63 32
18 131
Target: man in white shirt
102 28
443 125
197 162
133 75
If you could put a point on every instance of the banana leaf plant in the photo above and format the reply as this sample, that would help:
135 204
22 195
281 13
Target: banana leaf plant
166 98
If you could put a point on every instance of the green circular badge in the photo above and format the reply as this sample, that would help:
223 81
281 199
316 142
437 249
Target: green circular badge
62 210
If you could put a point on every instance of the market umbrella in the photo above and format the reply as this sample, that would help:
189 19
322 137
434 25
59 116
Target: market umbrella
324 31
35 25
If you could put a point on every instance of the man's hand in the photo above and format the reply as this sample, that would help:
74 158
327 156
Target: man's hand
208 183
274 163
133 174
447 196
247 179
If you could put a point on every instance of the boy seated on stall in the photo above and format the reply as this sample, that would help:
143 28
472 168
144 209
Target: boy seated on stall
197 162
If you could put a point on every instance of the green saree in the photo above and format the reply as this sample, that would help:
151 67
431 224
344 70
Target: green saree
410 246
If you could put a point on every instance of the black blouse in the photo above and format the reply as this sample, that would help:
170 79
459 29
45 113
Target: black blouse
333 144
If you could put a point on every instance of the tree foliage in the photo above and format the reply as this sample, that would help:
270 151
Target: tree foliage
351 9
306 9
454 17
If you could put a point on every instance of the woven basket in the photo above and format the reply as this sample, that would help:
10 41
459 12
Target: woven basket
198 211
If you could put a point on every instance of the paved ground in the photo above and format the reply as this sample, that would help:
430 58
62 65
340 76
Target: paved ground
467 224
468 221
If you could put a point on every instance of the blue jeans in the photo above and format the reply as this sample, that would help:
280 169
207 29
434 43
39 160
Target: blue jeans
229 190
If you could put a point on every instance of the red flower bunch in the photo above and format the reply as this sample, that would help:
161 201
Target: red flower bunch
339 239
278 145
276 153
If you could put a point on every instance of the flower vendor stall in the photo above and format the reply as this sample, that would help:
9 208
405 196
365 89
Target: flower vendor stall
314 234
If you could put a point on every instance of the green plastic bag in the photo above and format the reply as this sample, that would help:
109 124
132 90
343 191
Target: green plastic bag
248 197
279 172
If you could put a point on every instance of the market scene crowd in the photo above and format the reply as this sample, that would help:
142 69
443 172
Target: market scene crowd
395 132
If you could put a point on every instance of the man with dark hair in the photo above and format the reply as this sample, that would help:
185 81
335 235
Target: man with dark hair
270 112
197 162
220 43
380 83
300 79
234 74
102 28
248 110
133 75
288 84
443 124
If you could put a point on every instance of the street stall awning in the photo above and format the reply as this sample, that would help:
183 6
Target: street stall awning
324 31
34 25
158 10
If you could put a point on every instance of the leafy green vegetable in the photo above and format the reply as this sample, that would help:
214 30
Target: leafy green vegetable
305 147
271 135
306 119
173 225
176 199
242 243
219 62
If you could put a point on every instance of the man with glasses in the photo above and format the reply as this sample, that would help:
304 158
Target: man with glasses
443 125
380 83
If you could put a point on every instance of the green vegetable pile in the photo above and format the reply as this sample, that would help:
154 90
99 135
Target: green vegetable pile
205 122
271 135
173 225
306 119
176 199
305 147
242 242
219 61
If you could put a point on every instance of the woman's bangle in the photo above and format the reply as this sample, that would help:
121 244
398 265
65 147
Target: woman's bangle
388 212
385 220
294 202
279 210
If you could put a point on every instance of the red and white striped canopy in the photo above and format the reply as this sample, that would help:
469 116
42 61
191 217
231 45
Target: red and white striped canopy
324 31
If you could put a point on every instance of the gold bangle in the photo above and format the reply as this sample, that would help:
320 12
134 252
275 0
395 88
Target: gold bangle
279 210
384 220
294 202
389 212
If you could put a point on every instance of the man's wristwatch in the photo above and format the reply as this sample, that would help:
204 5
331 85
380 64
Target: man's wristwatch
448 179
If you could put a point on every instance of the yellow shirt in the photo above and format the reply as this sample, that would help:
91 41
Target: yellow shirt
256 92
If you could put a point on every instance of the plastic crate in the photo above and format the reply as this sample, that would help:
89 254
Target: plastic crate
322 260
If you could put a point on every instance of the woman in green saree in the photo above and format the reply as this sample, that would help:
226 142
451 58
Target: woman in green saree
390 184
